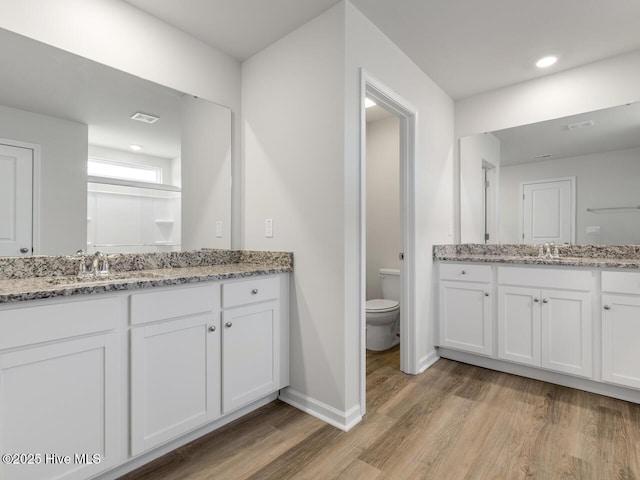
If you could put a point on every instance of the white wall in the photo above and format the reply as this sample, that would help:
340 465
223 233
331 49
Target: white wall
611 82
63 176
118 35
368 48
293 136
475 151
301 128
602 180
206 173
383 200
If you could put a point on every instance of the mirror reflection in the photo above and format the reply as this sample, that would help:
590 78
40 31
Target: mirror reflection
569 180
94 158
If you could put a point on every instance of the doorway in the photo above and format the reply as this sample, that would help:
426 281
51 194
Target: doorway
16 199
406 114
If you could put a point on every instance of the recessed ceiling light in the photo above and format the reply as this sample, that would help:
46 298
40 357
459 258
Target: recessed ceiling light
135 148
368 103
546 62
144 117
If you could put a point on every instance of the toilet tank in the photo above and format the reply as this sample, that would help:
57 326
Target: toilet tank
390 283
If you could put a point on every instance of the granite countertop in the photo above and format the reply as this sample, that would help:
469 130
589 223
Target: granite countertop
562 261
598 256
18 287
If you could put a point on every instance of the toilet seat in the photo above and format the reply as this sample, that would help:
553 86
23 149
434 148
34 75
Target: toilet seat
381 305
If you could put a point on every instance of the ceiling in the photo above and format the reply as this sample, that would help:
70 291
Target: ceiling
40 78
616 128
465 46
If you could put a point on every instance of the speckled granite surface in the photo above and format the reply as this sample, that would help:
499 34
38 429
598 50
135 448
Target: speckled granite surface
46 277
599 256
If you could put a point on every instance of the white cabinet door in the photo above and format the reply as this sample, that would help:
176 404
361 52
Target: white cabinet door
175 378
519 324
566 332
250 354
621 340
61 401
465 316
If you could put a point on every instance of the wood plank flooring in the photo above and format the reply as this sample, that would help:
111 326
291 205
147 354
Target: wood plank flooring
454 421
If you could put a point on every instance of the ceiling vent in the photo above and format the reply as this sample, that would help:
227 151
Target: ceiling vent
144 117
585 124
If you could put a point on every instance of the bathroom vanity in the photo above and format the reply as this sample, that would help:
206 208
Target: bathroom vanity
574 320
99 376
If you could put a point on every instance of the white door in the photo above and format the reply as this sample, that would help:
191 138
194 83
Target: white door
566 331
175 379
519 325
465 317
16 204
548 211
620 333
250 354
60 399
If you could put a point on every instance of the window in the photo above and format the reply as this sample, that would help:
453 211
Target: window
124 171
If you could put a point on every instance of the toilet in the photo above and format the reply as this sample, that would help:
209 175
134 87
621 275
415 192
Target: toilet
383 314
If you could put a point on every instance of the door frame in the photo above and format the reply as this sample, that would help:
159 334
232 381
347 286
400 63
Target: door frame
35 189
408 118
572 220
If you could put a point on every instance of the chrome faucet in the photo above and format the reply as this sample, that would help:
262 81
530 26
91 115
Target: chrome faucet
82 256
548 250
99 265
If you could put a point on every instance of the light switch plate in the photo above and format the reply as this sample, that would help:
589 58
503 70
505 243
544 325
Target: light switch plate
268 228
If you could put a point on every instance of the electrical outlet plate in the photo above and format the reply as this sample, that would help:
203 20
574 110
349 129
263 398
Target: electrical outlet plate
268 228
219 229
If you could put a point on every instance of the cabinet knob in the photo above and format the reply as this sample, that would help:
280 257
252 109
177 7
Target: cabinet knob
24 250
544 300
228 324
607 307
212 328
463 272
486 294
536 300
254 291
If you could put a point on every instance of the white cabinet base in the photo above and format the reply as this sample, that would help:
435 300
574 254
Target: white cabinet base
620 335
168 447
60 402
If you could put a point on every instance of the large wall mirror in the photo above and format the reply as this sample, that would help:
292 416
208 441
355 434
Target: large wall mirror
569 180
92 157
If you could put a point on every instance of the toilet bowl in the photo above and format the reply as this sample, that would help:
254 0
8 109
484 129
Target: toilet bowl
383 314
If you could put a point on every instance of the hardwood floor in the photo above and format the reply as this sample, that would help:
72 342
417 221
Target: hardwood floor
454 421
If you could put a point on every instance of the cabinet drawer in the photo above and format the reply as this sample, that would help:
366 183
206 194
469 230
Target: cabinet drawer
465 272
28 325
545 278
154 306
621 282
249 291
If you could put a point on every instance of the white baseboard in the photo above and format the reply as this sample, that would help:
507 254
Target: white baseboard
601 388
338 418
428 360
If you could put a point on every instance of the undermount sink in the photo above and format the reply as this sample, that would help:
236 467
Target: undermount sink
89 279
